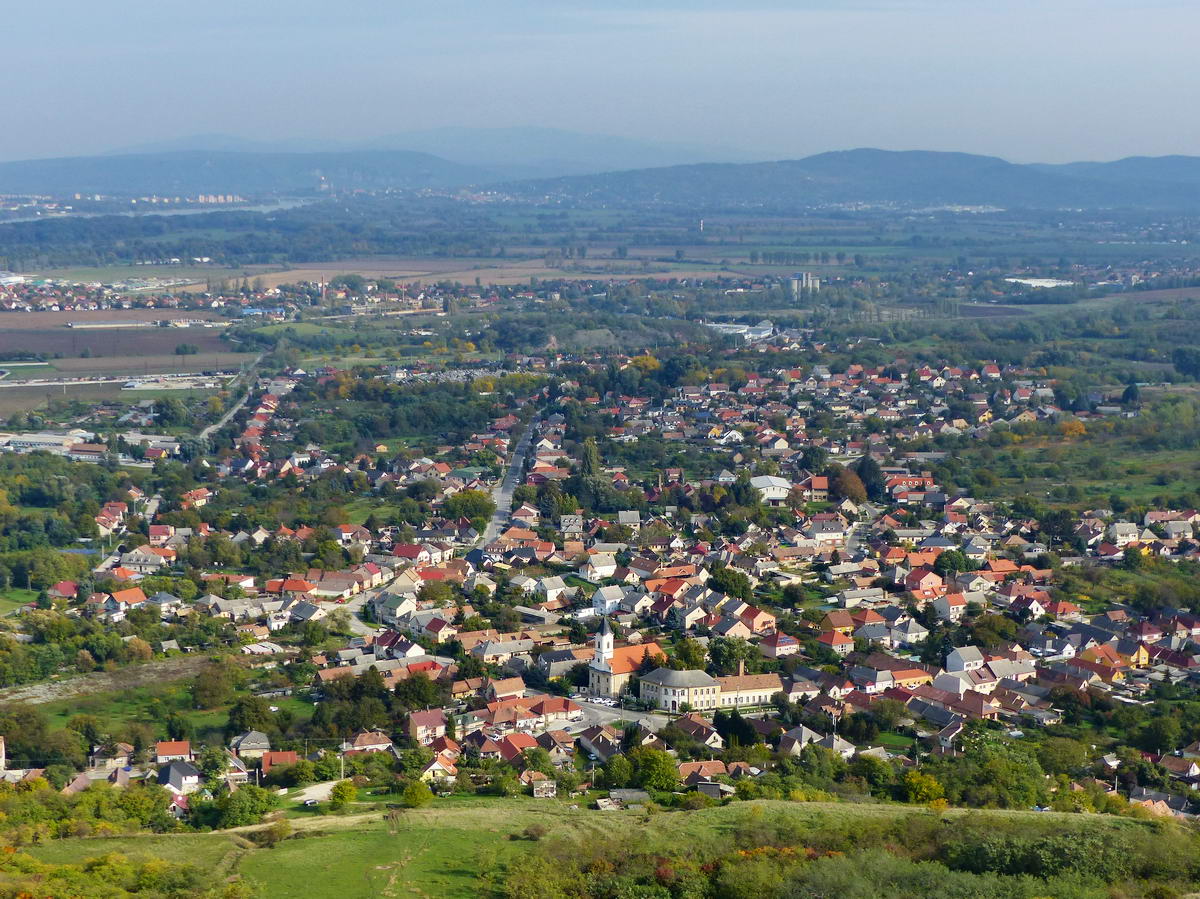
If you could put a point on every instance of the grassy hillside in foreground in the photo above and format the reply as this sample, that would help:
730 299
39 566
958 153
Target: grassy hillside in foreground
459 847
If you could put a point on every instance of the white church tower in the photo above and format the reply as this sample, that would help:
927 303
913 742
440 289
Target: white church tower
600 673
604 645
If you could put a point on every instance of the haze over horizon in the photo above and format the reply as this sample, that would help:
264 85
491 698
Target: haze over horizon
769 80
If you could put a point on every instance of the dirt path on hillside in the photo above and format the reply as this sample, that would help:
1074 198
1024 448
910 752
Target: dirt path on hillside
155 672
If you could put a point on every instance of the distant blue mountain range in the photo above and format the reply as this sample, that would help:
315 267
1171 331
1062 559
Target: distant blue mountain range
541 165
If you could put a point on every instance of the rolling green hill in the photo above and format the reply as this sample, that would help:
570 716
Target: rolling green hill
475 846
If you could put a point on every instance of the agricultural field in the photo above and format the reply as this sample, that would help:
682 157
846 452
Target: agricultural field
14 399
38 321
22 370
140 705
158 362
490 270
1091 472
206 851
28 397
110 274
359 510
75 345
307 329
102 352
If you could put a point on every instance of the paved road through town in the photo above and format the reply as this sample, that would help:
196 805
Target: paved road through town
354 606
233 410
503 493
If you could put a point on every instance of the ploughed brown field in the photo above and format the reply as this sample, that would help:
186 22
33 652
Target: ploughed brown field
157 363
36 321
465 269
103 342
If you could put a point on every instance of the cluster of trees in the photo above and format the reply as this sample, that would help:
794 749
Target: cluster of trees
812 854
365 702
113 875
370 408
47 500
319 231
35 811
82 644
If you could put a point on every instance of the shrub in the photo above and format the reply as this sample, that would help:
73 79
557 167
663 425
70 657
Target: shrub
417 794
343 793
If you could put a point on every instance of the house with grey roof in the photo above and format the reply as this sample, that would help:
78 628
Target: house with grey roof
179 777
666 688
250 745
964 658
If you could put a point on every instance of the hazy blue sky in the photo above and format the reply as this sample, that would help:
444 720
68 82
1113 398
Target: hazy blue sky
1031 80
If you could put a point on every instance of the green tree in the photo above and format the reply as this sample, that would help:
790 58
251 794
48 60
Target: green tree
917 786
343 794
589 460
245 805
951 562
690 654
250 713
726 653
471 504
653 769
417 794
1187 361
213 763
731 582
418 692
888 713
212 687
1161 734
436 593
871 475
1133 559
618 772
1062 755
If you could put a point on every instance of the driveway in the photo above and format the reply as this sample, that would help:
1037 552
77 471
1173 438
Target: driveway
321 792
152 507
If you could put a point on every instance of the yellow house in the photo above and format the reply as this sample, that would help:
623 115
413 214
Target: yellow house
911 677
1138 658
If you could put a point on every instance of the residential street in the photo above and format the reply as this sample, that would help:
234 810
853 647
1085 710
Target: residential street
853 538
233 410
503 492
354 606
501 495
